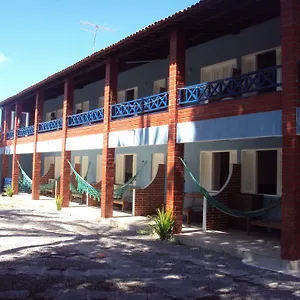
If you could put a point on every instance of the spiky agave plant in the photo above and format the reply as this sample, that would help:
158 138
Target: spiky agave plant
59 201
163 224
9 191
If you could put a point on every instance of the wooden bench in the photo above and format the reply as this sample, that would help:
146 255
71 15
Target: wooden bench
123 202
262 223
193 210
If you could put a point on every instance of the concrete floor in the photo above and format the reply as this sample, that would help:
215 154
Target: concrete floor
262 250
45 254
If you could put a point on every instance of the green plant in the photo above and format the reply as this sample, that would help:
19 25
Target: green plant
9 191
163 224
59 201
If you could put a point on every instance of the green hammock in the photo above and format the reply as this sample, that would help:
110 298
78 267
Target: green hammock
73 189
48 186
223 208
84 187
119 191
25 182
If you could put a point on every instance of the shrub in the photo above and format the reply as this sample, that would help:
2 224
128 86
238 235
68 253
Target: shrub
163 224
59 202
9 191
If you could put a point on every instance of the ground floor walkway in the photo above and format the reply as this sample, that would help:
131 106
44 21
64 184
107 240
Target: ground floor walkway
45 254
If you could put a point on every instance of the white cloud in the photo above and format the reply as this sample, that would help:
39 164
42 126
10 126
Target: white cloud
3 58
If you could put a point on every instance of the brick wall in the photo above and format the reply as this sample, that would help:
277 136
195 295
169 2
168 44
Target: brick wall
36 157
16 157
6 114
108 154
92 201
48 175
236 107
175 170
48 136
150 198
147 120
290 40
85 130
66 155
25 139
215 219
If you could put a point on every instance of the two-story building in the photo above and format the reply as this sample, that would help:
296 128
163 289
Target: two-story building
216 84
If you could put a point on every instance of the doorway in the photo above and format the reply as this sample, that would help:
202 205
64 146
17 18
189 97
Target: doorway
128 167
267 60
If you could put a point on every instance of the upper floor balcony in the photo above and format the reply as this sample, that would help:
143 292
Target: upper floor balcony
150 104
251 83
261 81
10 135
50 125
86 118
26 131
143 66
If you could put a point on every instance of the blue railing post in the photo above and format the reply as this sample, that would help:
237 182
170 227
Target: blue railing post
258 81
10 135
7 182
50 125
26 131
136 107
89 117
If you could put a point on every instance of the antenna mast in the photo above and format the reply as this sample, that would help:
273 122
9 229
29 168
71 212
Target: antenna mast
92 28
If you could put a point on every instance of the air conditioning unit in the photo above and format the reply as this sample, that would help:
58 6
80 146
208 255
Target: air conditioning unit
51 180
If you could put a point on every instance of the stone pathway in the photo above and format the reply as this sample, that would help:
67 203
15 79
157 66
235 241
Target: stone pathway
54 255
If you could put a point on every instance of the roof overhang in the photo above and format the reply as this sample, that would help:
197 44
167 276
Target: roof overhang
204 21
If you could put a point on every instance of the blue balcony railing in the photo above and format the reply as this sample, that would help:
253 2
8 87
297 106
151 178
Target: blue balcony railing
92 116
7 182
139 106
265 80
26 131
50 125
10 135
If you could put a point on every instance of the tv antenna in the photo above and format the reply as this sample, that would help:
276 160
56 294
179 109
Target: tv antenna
93 28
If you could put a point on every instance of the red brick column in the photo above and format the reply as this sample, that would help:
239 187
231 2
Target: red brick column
175 171
16 157
152 197
6 123
108 154
36 157
290 211
66 155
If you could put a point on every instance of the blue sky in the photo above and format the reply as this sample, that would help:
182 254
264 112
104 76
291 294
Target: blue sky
41 37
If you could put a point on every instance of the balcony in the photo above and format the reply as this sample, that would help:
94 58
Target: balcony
50 125
261 81
26 131
10 135
137 107
92 116
7 182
